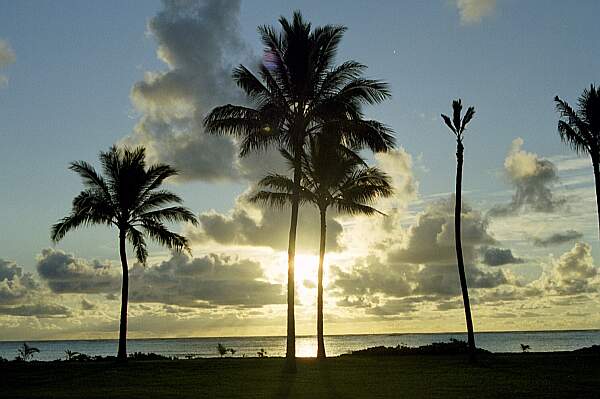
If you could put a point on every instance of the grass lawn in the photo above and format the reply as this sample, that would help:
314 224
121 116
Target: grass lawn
531 375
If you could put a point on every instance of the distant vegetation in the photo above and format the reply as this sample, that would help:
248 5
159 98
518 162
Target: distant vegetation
453 347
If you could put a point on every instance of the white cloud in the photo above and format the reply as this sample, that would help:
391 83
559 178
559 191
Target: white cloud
472 11
532 177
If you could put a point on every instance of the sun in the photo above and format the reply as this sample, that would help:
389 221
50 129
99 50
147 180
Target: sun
306 267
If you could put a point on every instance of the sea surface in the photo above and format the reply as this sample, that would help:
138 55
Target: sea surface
539 341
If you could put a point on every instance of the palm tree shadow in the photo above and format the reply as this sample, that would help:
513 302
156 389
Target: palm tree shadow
325 378
286 382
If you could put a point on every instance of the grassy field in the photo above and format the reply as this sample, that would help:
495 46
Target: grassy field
531 375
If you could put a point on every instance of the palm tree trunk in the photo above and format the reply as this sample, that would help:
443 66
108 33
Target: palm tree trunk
122 354
320 340
595 162
290 356
459 254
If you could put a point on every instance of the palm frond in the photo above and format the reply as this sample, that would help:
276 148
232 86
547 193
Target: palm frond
159 233
139 244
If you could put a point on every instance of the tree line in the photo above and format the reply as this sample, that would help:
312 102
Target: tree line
310 109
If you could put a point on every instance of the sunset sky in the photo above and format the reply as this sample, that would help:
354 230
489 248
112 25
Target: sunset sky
77 77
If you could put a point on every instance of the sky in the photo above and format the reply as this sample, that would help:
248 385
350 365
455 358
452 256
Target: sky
77 77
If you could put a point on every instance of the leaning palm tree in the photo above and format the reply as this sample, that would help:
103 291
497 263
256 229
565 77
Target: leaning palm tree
332 176
298 93
128 197
581 130
457 125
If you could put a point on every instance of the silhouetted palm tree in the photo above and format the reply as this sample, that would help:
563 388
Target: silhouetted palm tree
300 92
581 130
332 176
128 197
457 125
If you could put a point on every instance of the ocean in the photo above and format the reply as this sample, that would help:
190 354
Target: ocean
539 341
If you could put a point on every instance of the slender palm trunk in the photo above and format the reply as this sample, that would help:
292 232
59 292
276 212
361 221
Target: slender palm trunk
122 354
459 254
596 162
320 340
290 355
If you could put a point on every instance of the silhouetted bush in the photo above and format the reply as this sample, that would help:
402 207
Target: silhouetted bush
590 350
148 356
453 347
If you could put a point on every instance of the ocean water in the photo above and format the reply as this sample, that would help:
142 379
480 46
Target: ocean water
540 341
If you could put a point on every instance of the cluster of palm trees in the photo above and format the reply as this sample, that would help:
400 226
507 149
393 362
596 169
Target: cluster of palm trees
311 110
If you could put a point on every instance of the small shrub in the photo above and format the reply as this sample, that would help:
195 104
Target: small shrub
525 348
26 352
262 353
221 349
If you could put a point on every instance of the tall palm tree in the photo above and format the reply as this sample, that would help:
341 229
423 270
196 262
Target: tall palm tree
332 176
298 93
127 196
458 125
581 130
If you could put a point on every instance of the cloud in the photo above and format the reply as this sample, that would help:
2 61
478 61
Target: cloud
16 287
64 273
87 305
532 178
557 238
573 273
472 11
422 267
431 239
200 42
40 310
205 282
499 256
397 163
248 225
7 57
22 295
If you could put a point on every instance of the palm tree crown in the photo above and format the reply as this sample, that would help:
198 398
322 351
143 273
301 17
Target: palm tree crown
581 129
332 176
299 92
127 196
458 124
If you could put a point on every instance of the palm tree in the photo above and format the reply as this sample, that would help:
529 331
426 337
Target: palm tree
332 176
298 93
126 196
581 130
457 125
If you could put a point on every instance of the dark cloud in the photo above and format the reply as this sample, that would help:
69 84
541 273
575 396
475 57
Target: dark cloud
557 238
204 282
64 273
423 268
87 305
499 256
16 287
200 42
40 310
431 239
532 179
199 282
